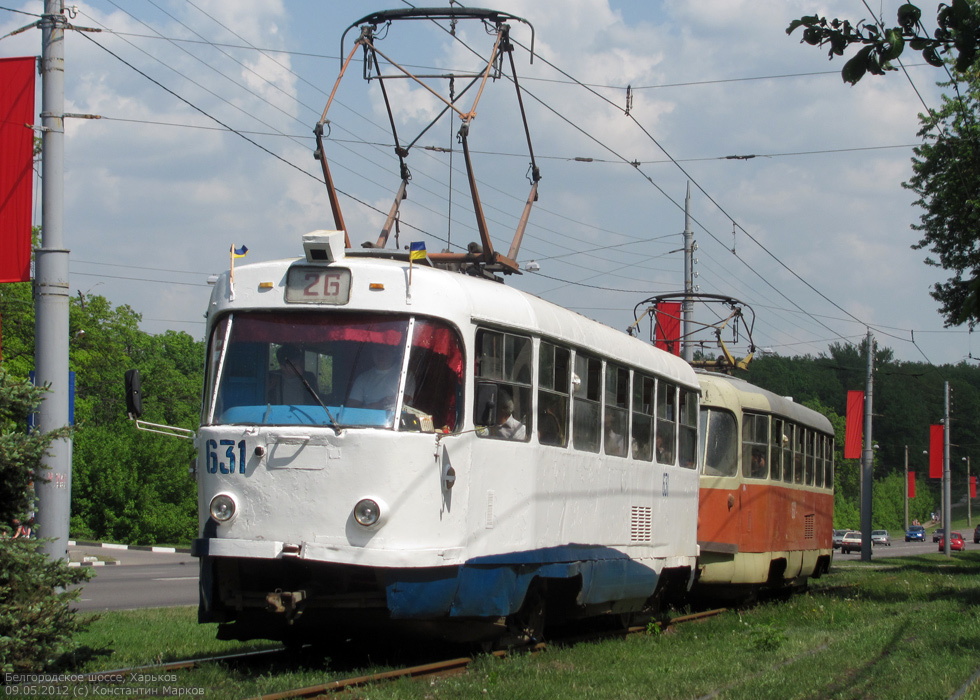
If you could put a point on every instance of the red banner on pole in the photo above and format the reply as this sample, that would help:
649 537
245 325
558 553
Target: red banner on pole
854 430
16 166
911 484
935 452
667 332
973 487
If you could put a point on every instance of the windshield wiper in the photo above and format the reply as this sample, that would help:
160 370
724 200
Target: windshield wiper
333 421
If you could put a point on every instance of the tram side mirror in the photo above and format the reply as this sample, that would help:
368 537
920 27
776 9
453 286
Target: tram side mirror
134 394
486 404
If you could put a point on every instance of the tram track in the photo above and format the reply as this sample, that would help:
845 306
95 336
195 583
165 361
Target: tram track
430 670
459 665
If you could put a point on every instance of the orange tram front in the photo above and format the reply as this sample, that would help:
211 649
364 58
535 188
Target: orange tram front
766 506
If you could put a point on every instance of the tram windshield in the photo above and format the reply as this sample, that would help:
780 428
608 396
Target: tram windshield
334 369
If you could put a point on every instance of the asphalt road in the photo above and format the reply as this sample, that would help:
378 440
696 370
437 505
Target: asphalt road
144 579
141 579
901 548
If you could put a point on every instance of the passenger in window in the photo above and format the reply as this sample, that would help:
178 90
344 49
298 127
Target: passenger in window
286 385
507 426
661 453
377 386
758 467
549 428
615 445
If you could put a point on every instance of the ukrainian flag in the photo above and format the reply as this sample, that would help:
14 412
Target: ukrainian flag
239 252
417 251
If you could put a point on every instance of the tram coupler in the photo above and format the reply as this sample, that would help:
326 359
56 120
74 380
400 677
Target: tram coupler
290 603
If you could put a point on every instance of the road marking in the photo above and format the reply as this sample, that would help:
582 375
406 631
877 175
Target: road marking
178 578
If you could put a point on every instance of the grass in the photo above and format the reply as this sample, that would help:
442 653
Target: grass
897 628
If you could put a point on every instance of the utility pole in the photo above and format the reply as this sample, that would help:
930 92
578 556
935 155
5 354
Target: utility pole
688 308
906 488
51 291
867 458
969 504
947 510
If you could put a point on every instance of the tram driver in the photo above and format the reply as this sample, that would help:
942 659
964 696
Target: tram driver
377 386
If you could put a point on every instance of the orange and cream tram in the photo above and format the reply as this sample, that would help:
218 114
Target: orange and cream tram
766 504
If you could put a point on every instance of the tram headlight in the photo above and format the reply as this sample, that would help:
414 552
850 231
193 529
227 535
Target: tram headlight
367 512
223 508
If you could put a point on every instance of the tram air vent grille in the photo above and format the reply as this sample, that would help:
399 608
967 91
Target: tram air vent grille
641 524
808 522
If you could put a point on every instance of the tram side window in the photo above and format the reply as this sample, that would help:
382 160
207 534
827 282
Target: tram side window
687 429
775 452
644 397
818 459
434 383
666 422
798 452
787 450
615 420
585 411
503 385
553 376
755 446
719 443
828 481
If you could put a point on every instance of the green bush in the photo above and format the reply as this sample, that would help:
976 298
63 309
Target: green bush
36 620
37 623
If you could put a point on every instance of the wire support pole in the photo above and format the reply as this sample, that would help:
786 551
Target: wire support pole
947 491
51 292
688 305
867 457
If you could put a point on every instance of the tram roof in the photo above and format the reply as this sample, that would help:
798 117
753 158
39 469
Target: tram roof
459 298
726 391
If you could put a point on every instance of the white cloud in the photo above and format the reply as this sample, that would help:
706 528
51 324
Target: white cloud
838 218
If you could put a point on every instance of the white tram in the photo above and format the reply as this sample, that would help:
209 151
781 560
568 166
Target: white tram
385 442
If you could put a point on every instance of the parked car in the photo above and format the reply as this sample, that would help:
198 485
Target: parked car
839 535
976 535
915 532
881 537
956 542
851 542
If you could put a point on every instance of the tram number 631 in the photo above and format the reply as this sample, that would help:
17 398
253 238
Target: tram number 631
215 465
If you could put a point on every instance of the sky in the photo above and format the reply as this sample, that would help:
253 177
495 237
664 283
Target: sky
205 141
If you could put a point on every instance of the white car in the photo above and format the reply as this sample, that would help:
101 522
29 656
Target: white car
881 537
851 542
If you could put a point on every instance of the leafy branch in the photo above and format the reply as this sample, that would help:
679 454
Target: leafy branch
958 32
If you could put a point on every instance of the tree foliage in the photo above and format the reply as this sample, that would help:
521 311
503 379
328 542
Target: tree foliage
946 180
957 33
36 620
128 486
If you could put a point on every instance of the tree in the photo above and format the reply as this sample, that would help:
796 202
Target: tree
958 32
36 620
947 165
128 486
946 179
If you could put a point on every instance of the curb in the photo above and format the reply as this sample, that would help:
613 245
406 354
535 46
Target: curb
134 547
92 561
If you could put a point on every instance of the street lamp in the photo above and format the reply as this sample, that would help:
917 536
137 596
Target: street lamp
969 509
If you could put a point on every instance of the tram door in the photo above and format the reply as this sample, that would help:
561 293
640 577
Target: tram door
720 512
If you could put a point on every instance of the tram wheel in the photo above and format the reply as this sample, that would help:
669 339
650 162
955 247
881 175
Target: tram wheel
526 626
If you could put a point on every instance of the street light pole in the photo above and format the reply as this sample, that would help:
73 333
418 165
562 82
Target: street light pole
969 509
906 488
